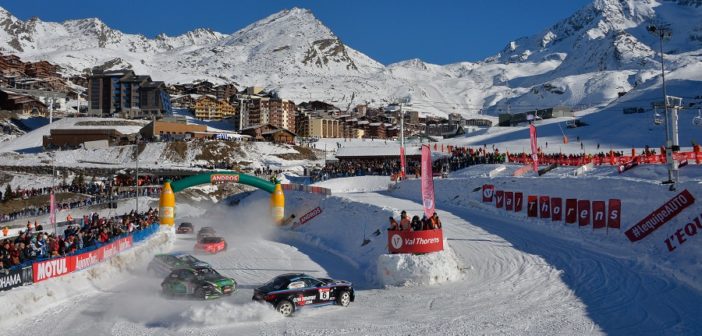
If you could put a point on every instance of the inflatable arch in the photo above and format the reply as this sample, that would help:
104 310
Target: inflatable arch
166 202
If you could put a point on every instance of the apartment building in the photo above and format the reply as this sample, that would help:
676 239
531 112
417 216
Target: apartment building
209 107
125 94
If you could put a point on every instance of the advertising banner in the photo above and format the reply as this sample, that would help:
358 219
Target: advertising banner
518 200
598 215
499 199
660 216
571 211
425 241
544 207
88 259
307 217
15 277
427 182
614 213
556 209
53 268
532 206
583 212
509 200
488 191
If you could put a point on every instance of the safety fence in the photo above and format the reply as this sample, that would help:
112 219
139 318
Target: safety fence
43 269
608 159
306 188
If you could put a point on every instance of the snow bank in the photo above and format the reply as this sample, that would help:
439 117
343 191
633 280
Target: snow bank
639 190
336 241
39 298
357 184
423 269
222 313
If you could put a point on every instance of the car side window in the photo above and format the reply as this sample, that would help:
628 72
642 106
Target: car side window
313 282
297 284
187 275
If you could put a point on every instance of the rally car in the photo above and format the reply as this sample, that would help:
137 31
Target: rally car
292 291
211 245
185 227
163 264
198 282
206 232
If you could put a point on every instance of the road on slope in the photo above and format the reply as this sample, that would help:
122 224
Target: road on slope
504 291
623 297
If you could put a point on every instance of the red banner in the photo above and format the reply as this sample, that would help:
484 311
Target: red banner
660 216
53 268
307 217
488 191
534 148
532 206
556 209
583 212
424 241
509 200
544 207
614 213
571 211
598 215
518 199
88 259
427 182
52 210
499 198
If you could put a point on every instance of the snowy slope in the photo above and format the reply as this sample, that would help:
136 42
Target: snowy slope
584 60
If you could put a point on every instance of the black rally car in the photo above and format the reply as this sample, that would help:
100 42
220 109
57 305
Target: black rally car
292 291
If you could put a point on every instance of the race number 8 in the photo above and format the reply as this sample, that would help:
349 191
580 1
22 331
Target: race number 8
324 294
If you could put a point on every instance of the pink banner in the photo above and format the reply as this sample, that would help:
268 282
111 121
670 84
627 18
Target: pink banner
427 182
534 147
403 173
52 209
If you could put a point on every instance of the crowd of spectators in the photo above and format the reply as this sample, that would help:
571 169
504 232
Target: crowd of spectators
86 194
415 224
90 231
347 168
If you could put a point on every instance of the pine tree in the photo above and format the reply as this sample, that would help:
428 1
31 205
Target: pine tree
8 193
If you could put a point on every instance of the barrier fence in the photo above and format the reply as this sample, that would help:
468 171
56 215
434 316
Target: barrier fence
43 269
608 159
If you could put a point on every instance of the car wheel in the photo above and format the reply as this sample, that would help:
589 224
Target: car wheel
200 294
344 299
285 307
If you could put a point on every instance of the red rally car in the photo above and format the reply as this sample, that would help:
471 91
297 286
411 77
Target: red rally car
211 245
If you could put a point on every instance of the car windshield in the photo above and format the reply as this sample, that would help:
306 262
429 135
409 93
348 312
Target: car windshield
208 273
210 240
188 258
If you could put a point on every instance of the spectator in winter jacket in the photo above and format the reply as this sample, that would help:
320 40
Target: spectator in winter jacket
394 225
405 222
416 224
435 222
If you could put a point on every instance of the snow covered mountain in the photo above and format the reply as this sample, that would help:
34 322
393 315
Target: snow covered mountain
584 60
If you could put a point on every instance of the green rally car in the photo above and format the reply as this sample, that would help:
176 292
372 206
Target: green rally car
198 282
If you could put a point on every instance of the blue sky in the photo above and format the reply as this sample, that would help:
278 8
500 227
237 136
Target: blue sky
438 31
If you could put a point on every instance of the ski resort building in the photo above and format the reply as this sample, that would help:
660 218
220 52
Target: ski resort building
124 94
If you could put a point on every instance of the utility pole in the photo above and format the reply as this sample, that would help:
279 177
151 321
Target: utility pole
663 32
